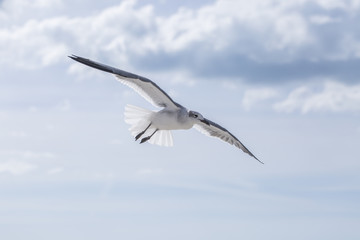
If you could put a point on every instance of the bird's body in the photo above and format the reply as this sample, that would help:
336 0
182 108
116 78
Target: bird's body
155 127
166 119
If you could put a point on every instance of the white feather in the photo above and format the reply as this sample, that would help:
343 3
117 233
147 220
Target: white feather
150 91
162 138
138 118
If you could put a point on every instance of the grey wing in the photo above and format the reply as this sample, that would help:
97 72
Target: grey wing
145 87
215 130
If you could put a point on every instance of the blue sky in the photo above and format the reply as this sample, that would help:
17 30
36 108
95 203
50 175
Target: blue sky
282 76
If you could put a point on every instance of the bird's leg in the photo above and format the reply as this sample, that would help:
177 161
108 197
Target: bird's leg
140 134
147 138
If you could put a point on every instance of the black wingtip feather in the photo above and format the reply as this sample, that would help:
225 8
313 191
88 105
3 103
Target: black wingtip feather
258 159
93 64
72 56
106 68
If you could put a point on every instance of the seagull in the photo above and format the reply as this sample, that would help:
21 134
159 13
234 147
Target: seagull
156 126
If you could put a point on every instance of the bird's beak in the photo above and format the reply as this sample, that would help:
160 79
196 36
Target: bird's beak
205 121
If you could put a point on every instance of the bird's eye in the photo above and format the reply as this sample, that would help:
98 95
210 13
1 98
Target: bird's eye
195 115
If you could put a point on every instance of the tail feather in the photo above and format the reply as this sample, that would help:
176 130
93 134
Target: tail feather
139 119
162 138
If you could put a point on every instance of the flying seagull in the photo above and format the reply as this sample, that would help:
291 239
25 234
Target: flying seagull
156 126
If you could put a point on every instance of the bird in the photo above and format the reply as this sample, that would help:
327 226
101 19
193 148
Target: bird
155 126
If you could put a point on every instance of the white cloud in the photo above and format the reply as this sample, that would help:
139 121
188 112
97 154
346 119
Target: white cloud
251 28
292 31
181 78
16 167
18 162
253 96
294 101
323 19
34 43
333 4
261 30
333 97
15 11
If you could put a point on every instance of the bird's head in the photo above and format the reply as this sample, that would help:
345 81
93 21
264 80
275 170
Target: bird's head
198 117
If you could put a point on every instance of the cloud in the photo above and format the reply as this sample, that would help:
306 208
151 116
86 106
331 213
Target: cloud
20 162
37 42
253 96
16 167
13 12
257 41
265 41
322 19
333 97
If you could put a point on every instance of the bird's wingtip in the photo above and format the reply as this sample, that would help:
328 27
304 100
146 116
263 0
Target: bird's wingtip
258 160
72 56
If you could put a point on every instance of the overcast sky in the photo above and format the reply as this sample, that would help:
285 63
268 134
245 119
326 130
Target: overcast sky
282 76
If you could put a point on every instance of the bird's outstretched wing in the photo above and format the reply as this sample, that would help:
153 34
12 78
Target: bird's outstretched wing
215 130
145 87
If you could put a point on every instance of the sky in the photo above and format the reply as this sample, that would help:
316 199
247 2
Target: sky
282 76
